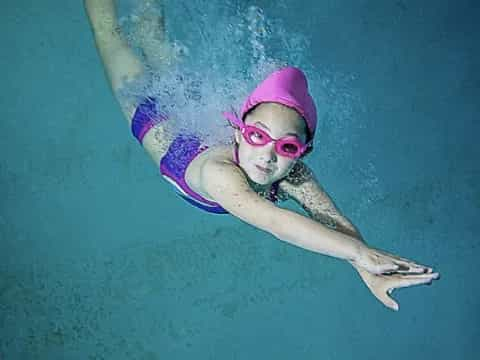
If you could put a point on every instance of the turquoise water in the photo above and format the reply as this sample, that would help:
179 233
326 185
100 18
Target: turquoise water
100 259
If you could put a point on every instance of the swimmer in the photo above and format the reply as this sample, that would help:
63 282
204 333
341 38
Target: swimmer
273 132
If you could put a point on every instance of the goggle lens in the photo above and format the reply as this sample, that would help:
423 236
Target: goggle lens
256 137
285 147
290 148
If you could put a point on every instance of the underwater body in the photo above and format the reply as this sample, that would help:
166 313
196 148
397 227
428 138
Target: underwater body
99 257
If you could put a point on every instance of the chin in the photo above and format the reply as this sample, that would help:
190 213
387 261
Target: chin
259 177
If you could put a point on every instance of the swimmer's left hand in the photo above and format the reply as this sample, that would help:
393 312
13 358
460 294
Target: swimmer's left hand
382 285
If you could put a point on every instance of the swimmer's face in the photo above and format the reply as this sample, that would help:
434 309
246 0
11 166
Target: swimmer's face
277 121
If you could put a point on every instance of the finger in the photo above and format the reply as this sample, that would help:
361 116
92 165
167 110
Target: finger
405 265
430 276
384 298
428 269
402 267
396 257
413 268
399 277
405 262
389 302
387 268
420 268
406 281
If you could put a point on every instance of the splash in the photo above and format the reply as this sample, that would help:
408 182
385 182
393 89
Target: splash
196 79
202 70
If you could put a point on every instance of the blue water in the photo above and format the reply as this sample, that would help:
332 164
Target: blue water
100 259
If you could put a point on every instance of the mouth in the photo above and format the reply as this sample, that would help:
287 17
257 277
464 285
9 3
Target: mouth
264 170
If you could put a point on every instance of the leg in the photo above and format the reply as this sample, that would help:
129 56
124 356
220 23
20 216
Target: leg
150 34
150 128
120 63
121 66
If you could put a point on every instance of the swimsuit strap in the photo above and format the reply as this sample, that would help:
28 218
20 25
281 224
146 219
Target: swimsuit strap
146 116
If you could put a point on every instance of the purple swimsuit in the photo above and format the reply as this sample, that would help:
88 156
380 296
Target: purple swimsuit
183 149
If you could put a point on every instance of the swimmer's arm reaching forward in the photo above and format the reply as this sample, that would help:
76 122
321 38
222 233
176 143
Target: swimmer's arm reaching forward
302 187
227 184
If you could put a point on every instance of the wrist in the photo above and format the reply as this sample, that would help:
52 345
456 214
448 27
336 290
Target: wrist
360 249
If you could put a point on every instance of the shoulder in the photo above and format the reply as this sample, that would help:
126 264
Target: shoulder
297 179
227 184
197 171
216 165
211 156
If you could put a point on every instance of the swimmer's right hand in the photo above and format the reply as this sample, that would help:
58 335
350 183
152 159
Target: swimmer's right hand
382 286
378 261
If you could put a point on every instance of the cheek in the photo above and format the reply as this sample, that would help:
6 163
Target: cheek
285 165
244 154
246 150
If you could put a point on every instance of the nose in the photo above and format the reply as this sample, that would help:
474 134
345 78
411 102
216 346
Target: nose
269 153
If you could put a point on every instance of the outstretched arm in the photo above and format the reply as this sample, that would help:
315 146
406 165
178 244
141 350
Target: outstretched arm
302 187
226 183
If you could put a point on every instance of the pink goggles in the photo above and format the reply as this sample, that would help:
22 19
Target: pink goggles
288 146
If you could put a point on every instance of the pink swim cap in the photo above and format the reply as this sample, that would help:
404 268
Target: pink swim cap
287 86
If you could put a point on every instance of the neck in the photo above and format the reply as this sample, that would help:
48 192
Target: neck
259 187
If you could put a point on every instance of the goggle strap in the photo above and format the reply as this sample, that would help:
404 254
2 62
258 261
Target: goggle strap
232 117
